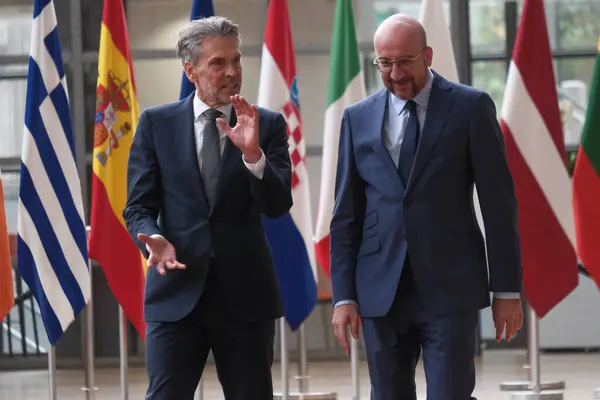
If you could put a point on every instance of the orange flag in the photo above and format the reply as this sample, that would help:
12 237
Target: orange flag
117 113
7 296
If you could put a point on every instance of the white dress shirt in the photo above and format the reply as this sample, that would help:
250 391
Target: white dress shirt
257 169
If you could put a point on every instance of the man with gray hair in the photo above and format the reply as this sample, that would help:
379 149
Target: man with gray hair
202 172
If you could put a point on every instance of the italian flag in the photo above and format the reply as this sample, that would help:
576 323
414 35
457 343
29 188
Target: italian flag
346 86
586 183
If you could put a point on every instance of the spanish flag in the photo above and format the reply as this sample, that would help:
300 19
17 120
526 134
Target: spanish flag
7 296
117 113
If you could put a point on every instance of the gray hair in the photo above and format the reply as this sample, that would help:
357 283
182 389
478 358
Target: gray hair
192 36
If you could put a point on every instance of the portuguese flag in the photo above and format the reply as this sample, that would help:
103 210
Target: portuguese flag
586 183
117 113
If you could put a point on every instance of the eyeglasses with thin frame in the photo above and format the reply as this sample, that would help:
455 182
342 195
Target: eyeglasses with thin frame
405 63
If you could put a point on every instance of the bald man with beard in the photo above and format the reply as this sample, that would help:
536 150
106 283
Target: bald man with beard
407 254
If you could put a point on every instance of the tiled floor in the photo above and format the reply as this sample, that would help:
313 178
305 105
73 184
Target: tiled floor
581 372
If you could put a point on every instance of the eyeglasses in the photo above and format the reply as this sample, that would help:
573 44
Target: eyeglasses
404 63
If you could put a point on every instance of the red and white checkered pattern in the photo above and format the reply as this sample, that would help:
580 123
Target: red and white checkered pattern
294 131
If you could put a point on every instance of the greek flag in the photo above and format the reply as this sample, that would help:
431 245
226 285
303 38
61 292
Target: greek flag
52 244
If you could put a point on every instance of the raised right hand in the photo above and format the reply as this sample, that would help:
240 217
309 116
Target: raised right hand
162 253
343 316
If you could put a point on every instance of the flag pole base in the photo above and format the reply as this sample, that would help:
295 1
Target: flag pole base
549 395
307 396
597 394
514 386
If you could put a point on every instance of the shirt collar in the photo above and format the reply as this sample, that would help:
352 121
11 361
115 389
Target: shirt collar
200 107
422 98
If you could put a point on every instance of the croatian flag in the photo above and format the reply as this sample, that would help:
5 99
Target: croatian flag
290 236
52 250
200 9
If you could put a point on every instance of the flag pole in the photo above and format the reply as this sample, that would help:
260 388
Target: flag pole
52 373
123 353
532 349
302 361
354 366
90 386
303 377
536 391
285 379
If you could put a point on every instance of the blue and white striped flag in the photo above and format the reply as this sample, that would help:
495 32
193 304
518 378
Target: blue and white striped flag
52 244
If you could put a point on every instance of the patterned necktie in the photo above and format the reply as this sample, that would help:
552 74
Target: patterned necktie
409 143
211 155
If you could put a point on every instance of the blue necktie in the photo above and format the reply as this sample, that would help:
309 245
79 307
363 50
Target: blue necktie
409 143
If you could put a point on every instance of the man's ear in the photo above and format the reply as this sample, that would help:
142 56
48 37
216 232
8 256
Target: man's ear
189 71
429 53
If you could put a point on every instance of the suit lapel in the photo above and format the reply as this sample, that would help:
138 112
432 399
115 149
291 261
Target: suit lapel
438 108
229 160
379 112
184 124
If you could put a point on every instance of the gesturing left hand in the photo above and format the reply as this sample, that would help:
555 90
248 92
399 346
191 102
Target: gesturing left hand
244 134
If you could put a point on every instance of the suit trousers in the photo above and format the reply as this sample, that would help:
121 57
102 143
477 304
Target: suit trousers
176 352
395 342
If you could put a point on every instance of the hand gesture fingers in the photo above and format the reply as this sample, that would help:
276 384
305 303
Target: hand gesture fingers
142 237
161 254
153 259
160 267
244 110
163 266
221 123
242 107
174 264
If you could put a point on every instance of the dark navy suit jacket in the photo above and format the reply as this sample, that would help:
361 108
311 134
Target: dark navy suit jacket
166 197
376 219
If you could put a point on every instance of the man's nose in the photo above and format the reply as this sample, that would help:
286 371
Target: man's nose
230 70
397 73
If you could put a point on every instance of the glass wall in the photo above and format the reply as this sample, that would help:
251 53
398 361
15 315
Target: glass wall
15 33
574 28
